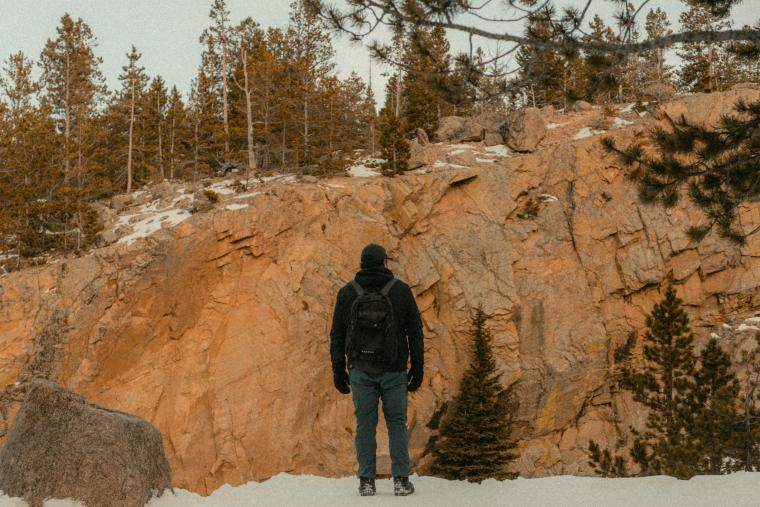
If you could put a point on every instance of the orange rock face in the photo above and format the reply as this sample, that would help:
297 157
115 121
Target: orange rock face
216 331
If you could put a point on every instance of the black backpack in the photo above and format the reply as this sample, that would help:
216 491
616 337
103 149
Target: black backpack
371 335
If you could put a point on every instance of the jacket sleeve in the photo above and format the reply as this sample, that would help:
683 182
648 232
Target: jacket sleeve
414 332
338 333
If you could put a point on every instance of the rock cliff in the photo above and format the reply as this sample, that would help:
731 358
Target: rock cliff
216 330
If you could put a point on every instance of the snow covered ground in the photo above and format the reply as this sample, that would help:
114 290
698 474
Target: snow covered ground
284 490
736 490
366 167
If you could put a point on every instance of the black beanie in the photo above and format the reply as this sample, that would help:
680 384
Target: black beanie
373 255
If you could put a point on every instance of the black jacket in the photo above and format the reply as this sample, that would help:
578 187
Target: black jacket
405 313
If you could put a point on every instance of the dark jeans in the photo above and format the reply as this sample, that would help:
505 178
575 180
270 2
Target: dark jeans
366 390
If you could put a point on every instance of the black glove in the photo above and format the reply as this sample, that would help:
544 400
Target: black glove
415 378
340 379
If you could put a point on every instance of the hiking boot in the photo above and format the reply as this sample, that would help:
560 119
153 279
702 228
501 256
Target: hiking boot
366 486
402 486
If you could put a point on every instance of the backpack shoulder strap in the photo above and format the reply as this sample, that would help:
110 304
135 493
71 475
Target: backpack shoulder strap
388 287
358 288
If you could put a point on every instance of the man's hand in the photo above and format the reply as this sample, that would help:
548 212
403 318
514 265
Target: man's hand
415 378
340 379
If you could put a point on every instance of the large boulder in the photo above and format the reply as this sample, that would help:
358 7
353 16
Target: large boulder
493 139
525 129
64 446
707 109
492 121
457 129
580 106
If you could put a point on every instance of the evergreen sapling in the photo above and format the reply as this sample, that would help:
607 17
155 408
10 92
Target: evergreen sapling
475 443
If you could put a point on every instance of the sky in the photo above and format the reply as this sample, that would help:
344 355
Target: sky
166 32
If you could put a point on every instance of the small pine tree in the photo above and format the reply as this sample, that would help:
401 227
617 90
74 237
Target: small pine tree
662 385
475 434
603 69
541 73
716 165
394 146
711 408
657 73
707 67
746 339
604 462
426 79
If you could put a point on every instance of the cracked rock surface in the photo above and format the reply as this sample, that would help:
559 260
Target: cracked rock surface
216 330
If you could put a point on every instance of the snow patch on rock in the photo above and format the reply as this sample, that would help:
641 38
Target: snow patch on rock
499 150
587 132
366 167
621 122
441 164
148 226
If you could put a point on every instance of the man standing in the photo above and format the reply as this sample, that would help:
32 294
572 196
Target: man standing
376 329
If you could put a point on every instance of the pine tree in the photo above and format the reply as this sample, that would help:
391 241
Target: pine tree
73 93
394 147
178 134
74 88
425 83
369 112
658 74
746 340
133 80
311 64
29 177
153 116
492 88
207 107
216 63
711 410
662 385
747 57
718 167
706 67
464 82
475 441
542 72
249 48
631 68
603 70
604 462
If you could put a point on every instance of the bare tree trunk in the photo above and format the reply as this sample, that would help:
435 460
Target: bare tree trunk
332 126
265 161
398 97
224 93
305 126
282 157
67 121
131 133
195 153
372 137
249 119
80 173
160 140
171 149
